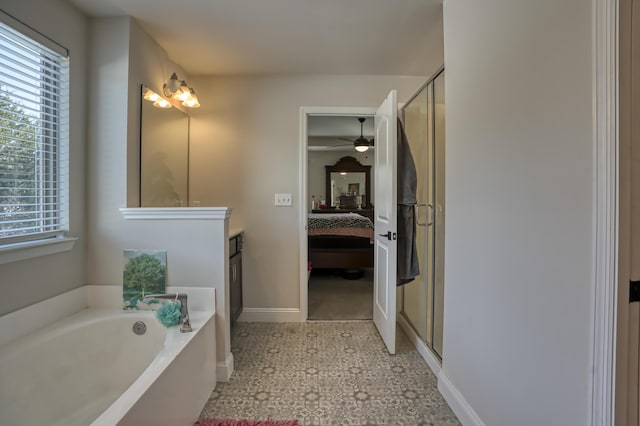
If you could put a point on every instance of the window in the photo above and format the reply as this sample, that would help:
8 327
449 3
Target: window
34 123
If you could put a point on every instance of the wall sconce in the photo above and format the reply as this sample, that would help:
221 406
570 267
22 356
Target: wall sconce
158 101
180 91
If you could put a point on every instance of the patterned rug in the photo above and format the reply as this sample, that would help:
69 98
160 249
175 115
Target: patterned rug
242 422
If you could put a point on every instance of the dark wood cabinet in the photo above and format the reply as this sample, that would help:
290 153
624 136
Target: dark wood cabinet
235 276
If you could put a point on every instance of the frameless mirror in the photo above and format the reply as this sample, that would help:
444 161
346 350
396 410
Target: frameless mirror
164 156
348 189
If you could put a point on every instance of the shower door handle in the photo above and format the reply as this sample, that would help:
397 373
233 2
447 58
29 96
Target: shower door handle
431 212
419 215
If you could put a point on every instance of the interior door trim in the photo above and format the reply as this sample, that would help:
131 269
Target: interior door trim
305 112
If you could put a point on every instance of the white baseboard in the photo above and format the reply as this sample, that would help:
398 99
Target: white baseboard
224 369
432 361
456 401
270 315
454 398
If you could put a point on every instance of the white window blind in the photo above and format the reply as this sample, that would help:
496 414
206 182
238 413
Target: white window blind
34 125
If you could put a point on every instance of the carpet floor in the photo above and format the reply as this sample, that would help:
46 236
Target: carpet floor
332 297
327 373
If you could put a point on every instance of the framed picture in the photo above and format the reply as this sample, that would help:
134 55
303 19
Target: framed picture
145 273
354 189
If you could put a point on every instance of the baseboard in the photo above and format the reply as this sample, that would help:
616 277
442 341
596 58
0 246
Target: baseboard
432 361
456 401
224 369
270 315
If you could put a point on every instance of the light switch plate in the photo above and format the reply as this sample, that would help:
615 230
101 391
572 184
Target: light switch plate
283 200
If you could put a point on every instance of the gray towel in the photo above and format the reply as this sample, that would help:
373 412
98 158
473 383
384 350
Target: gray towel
408 267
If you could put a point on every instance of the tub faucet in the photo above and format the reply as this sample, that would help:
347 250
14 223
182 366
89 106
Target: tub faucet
185 325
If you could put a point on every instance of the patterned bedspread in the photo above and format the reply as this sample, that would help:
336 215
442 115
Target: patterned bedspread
345 224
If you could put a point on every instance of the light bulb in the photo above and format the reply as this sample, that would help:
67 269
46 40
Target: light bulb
162 103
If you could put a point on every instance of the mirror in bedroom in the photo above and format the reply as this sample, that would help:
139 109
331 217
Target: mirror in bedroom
348 184
164 153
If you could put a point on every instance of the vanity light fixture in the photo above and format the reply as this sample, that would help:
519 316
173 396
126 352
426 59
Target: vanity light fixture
162 103
149 95
180 91
192 101
158 101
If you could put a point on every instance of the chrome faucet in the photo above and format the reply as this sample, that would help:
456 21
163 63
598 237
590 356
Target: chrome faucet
185 325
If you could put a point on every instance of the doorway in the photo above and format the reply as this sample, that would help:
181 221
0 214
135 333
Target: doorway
339 209
385 213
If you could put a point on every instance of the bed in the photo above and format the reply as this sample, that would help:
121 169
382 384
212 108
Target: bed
340 241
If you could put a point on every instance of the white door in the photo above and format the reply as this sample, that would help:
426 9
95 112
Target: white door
385 251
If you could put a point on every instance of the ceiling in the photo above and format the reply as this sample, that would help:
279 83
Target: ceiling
241 37
325 132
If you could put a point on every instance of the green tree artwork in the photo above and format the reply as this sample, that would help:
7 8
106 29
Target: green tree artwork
145 273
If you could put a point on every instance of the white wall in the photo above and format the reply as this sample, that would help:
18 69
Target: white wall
519 193
245 146
26 282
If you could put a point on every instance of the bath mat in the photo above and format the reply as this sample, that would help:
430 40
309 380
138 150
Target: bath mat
243 422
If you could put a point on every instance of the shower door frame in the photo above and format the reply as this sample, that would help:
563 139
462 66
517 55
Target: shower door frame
433 359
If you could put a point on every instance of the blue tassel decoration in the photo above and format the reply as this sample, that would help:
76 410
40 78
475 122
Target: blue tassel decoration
169 313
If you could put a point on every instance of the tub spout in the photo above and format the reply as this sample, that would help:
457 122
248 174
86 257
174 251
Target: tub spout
185 325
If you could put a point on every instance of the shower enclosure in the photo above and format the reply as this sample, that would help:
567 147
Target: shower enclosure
423 298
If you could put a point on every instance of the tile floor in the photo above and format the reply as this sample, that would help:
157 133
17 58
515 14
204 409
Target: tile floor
327 373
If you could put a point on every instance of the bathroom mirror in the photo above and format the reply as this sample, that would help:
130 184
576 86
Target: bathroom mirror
164 156
348 184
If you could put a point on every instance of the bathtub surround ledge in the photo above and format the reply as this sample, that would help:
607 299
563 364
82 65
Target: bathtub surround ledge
42 314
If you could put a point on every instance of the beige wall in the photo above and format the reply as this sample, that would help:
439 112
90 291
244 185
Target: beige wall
245 147
520 209
26 282
123 57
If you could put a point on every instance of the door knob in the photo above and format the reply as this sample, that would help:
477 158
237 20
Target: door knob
390 235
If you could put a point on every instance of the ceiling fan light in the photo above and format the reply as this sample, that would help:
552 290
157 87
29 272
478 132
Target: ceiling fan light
361 144
362 148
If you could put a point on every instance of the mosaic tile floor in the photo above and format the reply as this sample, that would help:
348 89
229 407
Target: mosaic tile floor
327 373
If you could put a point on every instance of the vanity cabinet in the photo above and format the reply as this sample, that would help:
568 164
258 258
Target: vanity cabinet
235 276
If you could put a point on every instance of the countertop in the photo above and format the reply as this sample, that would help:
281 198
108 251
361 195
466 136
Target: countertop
234 232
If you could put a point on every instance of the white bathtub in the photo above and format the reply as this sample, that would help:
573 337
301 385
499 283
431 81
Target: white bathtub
92 369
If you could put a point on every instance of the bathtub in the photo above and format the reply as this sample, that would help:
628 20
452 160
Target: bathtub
90 368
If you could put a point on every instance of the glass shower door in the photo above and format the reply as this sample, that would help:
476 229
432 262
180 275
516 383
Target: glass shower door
423 299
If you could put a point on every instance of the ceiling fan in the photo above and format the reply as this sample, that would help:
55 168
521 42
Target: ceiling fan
361 144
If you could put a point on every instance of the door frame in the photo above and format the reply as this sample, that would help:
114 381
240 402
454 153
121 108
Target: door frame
305 112
606 211
628 320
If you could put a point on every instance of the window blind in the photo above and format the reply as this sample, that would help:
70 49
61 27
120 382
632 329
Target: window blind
34 125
